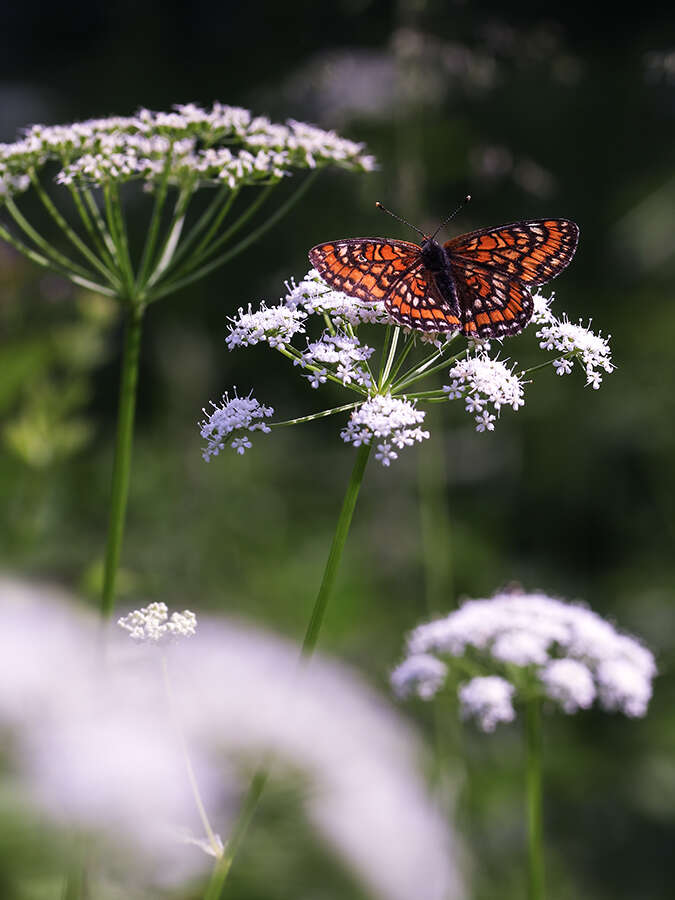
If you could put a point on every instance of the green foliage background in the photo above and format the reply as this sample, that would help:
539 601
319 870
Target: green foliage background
534 115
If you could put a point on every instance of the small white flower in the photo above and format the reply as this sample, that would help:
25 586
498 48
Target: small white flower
575 341
421 674
391 418
483 381
488 700
236 414
277 325
152 623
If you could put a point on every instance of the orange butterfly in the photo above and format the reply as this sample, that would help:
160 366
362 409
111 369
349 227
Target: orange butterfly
477 282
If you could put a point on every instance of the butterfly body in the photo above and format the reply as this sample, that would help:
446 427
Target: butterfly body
477 283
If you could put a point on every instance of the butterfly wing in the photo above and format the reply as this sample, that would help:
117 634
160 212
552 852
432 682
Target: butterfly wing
493 267
366 268
388 270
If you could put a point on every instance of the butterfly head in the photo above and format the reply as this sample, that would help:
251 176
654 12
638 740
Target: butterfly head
434 255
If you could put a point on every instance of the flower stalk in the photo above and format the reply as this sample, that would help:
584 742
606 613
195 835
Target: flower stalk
535 842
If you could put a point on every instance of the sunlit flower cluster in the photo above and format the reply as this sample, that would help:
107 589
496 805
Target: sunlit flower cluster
153 624
386 412
392 421
535 644
482 382
221 145
574 342
238 415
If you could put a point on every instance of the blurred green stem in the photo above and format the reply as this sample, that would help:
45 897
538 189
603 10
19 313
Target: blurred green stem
257 786
122 464
534 804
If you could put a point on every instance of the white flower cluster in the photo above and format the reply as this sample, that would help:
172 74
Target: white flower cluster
275 325
482 381
237 414
488 700
152 623
568 654
344 355
314 296
393 420
573 341
223 144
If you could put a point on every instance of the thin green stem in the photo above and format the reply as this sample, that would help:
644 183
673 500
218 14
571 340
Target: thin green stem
290 352
544 365
534 800
321 415
207 245
122 463
423 371
172 286
118 239
50 252
121 228
93 232
192 778
223 866
153 230
390 357
100 223
70 233
168 252
203 221
46 263
335 554
401 359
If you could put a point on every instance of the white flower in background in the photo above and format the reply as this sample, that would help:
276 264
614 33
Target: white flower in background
394 422
574 341
237 414
488 700
190 146
153 624
421 674
561 651
94 745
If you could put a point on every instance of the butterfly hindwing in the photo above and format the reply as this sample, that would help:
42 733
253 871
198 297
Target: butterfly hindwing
492 304
414 301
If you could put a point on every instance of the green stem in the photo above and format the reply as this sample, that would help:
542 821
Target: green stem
88 223
70 233
423 372
320 415
222 867
100 223
122 464
46 263
194 275
390 357
153 230
534 804
335 555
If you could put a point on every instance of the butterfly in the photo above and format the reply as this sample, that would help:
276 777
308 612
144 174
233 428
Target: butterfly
477 283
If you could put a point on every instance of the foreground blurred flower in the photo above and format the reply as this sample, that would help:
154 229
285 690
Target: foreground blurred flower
226 151
96 746
386 413
529 650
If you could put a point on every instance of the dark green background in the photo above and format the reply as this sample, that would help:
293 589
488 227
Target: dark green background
573 494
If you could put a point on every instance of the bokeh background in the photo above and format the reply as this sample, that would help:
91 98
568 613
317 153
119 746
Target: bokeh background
562 111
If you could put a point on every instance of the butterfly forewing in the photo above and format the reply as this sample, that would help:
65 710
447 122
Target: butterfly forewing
366 268
532 252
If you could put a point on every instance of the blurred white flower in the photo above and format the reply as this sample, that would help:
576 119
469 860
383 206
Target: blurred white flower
561 651
488 700
95 744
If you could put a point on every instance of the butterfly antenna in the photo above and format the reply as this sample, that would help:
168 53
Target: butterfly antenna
452 215
384 209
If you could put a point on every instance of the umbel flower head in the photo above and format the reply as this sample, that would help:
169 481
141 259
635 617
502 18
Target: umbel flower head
321 331
518 646
224 148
